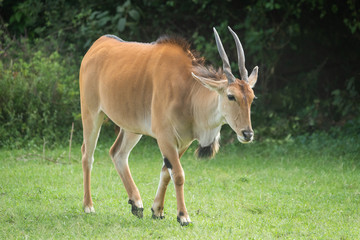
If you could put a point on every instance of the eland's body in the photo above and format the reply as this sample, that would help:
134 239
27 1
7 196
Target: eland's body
161 90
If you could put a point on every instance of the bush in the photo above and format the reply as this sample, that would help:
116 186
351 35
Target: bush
39 98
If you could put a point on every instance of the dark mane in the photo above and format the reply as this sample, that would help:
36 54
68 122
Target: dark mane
176 40
182 43
209 72
197 61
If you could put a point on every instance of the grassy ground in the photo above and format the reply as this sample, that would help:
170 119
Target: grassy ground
303 189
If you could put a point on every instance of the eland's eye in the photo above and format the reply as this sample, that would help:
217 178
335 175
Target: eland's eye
231 97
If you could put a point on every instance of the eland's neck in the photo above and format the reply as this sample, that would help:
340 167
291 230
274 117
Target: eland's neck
207 116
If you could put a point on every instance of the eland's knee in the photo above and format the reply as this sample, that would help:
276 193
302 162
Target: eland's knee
179 178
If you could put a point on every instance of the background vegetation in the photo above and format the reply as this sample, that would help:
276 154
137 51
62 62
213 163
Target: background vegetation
307 52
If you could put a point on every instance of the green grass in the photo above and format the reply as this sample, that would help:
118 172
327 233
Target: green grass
303 189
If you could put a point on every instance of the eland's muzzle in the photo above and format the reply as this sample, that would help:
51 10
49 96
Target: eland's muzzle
248 135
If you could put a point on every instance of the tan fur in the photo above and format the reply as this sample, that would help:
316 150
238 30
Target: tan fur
148 89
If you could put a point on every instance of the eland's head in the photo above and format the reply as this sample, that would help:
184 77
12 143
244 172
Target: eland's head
236 94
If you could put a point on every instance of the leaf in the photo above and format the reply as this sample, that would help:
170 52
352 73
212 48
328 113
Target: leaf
102 14
18 16
120 9
134 14
121 24
103 21
94 15
127 4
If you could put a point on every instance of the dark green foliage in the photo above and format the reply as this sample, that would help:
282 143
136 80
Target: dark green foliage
306 51
39 99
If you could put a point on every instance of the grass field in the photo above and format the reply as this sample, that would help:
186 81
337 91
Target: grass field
303 189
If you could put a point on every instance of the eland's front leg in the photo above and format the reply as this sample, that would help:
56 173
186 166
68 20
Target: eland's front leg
119 153
176 172
158 205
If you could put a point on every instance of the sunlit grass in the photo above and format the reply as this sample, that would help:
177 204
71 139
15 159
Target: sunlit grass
305 189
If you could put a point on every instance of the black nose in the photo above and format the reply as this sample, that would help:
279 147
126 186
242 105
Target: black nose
248 134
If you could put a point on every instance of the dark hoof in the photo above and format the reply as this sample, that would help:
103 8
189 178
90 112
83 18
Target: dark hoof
135 210
156 217
183 223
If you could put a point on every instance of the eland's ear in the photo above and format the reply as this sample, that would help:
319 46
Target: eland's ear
253 77
211 84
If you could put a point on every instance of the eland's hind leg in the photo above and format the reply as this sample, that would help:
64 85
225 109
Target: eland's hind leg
91 129
119 153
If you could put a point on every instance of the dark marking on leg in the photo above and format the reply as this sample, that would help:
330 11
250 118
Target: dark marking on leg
136 210
167 163
181 214
178 217
156 217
